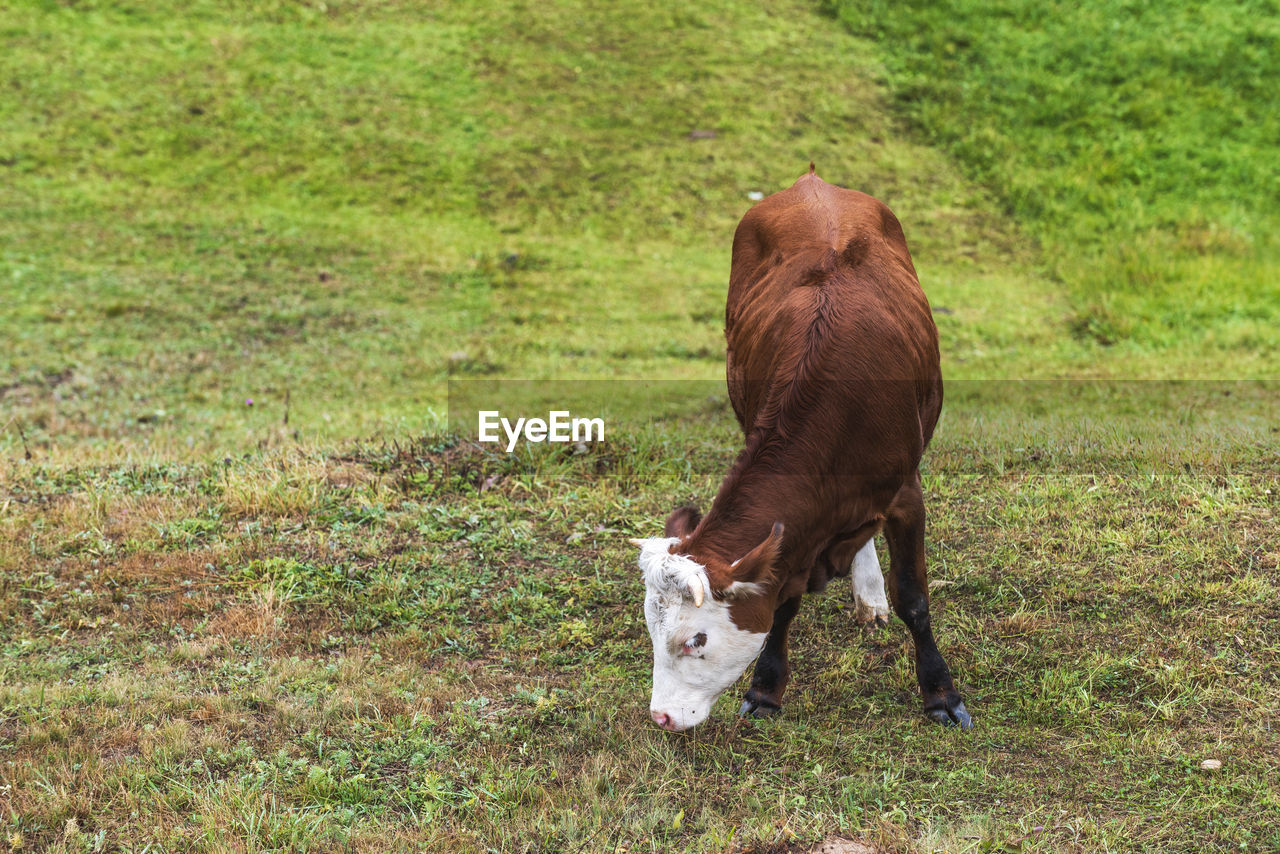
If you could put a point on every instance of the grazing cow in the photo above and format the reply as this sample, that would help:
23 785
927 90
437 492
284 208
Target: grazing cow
833 374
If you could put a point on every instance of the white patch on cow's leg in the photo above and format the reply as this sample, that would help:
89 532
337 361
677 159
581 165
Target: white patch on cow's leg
872 608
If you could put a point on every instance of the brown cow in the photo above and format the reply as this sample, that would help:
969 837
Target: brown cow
833 374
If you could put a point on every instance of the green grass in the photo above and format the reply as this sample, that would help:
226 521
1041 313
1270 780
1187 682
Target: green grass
1133 141
375 652
239 203
324 622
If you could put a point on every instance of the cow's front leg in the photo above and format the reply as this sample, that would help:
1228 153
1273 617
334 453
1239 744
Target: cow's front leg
871 605
764 698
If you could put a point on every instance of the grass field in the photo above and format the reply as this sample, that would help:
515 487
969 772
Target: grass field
1132 141
256 595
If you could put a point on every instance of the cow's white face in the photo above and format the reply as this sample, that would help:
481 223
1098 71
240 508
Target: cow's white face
698 652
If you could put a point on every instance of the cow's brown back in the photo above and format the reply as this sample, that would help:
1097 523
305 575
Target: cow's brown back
833 373
822 287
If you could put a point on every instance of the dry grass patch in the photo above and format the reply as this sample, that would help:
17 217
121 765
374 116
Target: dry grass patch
257 619
157 572
347 475
292 483
290 487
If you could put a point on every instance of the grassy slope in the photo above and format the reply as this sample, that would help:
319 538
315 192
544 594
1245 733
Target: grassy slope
228 205
1134 141
280 650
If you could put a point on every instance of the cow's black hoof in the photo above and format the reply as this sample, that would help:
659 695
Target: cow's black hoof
758 709
951 715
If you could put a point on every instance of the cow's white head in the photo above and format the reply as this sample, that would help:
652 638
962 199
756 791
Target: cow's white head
698 649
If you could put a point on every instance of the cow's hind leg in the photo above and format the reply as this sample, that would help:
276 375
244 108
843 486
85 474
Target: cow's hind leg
909 590
871 606
772 672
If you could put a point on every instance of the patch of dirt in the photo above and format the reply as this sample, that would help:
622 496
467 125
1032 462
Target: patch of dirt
831 845
836 845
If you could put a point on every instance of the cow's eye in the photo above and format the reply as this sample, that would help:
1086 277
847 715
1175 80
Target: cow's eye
696 642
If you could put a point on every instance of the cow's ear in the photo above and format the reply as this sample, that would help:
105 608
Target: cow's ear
682 521
757 565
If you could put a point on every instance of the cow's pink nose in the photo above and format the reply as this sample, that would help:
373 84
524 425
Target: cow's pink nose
662 719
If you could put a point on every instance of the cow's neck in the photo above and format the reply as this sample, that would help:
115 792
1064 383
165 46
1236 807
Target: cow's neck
763 487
